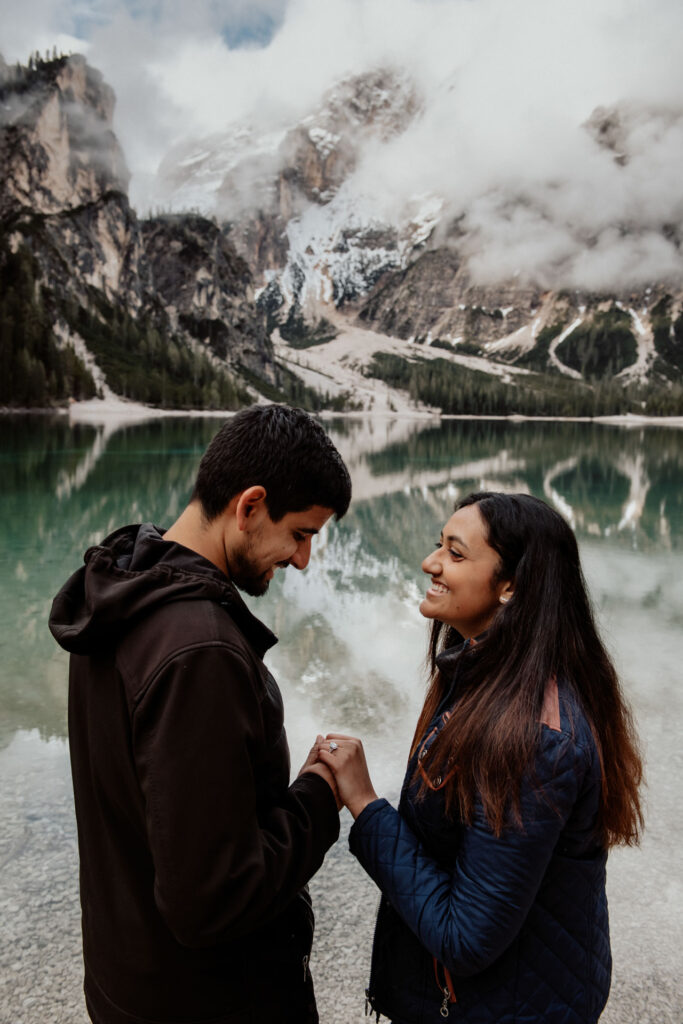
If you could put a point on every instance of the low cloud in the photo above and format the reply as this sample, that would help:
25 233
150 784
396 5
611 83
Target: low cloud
544 188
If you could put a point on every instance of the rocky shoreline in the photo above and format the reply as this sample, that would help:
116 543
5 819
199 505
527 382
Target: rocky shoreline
40 962
113 411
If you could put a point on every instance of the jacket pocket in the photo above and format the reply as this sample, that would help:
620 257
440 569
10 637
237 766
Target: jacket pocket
288 938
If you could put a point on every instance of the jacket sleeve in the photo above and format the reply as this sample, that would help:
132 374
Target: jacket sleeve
221 867
466 917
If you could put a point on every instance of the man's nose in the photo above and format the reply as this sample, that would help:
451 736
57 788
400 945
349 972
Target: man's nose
302 555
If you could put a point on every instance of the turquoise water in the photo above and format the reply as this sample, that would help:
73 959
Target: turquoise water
64 488
352 641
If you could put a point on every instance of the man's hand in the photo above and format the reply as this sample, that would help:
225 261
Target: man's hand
312 764
312 756
346 760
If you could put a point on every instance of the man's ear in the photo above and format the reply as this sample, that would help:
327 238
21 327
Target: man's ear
250 507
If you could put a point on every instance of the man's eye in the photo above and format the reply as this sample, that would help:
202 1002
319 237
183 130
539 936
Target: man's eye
298 537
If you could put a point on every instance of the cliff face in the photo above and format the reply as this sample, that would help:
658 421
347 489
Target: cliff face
206 289
320 153
95 265
58 146
434 298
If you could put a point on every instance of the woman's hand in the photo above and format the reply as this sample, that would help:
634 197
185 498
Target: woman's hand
347 762
312 764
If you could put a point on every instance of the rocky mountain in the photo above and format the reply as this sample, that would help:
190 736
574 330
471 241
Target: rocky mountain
320 253
58 149
290 278
285 198
93 298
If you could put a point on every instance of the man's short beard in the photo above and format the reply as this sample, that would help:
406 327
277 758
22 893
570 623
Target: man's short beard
242 575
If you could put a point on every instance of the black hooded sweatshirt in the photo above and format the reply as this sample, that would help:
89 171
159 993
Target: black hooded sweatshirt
194 848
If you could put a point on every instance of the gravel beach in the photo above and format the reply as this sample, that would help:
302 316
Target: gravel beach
40 959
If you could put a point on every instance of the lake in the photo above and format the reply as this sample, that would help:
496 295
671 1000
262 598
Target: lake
350 657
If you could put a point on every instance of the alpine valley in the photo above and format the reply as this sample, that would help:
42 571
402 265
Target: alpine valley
271 275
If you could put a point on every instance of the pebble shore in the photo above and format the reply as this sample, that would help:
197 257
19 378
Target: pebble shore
40 953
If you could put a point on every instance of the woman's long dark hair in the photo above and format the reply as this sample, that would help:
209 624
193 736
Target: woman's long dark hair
546 631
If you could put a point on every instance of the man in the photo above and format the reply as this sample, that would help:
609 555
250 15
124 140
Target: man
195 850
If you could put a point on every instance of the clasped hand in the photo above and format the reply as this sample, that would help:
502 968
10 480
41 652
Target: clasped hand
346 761
344 769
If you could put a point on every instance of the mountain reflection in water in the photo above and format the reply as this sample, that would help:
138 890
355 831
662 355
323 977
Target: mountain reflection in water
65 487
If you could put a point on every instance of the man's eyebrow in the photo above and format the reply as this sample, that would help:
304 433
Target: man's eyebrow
453 537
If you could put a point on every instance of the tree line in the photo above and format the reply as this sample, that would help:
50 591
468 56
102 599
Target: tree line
140 359
456 389
34 369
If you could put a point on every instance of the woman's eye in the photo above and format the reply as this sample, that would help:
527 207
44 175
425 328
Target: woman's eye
454 554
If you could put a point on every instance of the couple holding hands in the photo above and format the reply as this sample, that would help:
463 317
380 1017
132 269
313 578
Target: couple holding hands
195 849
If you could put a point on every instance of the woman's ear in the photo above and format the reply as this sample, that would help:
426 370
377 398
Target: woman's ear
251 504
507 592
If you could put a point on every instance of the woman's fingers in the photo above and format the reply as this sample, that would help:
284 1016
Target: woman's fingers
337 741
339 757
336 758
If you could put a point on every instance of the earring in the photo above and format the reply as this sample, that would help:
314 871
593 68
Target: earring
504 598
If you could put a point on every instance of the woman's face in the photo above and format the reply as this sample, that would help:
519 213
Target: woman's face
465 591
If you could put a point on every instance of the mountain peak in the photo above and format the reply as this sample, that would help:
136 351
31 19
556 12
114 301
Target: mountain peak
56 135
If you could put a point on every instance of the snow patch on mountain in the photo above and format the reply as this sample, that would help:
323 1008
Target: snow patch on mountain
554 345
338 251
647 354
340 367
193 173
325 142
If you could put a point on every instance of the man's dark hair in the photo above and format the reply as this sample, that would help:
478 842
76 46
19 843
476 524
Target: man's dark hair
284 450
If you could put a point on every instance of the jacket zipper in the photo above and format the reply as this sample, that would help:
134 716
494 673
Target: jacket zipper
445 986
368 991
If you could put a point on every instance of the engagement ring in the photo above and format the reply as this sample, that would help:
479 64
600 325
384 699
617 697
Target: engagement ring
333 746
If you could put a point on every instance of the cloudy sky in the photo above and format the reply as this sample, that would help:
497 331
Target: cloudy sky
508 86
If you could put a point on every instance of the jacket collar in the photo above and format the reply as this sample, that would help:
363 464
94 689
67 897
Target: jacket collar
151 548
128 575
447 660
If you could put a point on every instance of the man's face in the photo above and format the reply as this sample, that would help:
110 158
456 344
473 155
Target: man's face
267 546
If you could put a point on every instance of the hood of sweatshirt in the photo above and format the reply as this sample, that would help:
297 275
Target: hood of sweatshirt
127 576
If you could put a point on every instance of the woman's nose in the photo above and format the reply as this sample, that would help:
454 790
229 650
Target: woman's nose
431 565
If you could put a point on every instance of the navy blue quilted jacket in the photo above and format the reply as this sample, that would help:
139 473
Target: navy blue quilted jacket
486 930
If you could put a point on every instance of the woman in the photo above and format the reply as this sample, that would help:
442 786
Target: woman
523 771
